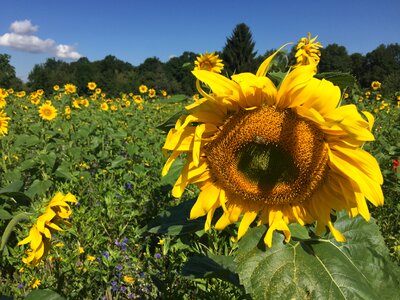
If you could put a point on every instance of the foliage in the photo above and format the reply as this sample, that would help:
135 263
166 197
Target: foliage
238 53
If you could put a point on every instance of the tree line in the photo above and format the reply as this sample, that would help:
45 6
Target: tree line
115 76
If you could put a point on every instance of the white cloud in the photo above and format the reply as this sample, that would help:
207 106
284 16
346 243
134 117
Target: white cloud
21 38
23 27
66 51
28 43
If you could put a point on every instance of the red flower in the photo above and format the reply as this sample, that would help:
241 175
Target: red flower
396 163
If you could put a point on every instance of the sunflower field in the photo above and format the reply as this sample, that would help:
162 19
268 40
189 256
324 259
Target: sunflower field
135 197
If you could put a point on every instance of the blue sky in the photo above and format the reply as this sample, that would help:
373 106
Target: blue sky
33 30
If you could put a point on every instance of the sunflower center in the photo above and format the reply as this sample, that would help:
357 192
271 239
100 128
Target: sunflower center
268 156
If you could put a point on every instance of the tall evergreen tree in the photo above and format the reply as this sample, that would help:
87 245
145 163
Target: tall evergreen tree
238 53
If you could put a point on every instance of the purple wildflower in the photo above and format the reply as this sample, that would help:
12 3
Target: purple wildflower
106 254
119 267
157 255
20 286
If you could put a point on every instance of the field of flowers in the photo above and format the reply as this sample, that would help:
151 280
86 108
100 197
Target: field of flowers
86 214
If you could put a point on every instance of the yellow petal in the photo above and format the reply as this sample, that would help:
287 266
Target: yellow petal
169 162
220 85
246 221
210 214
205 201
264 67
336 233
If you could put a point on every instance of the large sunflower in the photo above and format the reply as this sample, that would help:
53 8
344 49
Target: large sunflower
276 155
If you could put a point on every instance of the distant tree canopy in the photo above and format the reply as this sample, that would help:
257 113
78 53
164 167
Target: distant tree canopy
8 78
238 54
114 76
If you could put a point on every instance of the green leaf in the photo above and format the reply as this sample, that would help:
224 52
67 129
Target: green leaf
368 251
118 162
12 190
5 215
342 80
173 172
175 221
44 294
211 266
12 187
10 226
318 269
38 187
174 99
170 123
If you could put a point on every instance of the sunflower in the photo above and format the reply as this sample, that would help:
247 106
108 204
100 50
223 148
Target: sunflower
91 86
104 106
375 85
3 123
210 62
143 89
152 93
274 155
57 212
47 112
307 51
69 88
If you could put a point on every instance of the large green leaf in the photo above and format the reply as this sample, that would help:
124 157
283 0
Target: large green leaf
342 80
175 221
12 190
170 123
318 269
44 294
173 172
211 266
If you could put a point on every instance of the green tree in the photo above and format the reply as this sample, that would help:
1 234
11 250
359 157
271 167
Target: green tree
8 78
334 58
381 63
238 53
184 80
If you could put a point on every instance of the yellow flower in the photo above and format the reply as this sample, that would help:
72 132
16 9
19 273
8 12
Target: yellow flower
56 87
113 107
47 112
91 258
3 102
91 86
3 123
104 106
378 97
279 155
21 94
152 93
164 93
69 88
161 242
35 283
84 102
81 250
57 211
308 51
375 85
60 245
209 62
345 96
138 99
97 91
10 91
143 89
128 279
67 110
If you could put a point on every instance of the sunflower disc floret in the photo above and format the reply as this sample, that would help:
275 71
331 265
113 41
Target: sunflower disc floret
272 155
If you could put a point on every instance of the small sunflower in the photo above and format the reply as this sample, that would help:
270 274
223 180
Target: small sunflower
104 106
209 62
375 85
3 123
143 89
91 86
152 93
307 51
47 112
69 88
274 155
